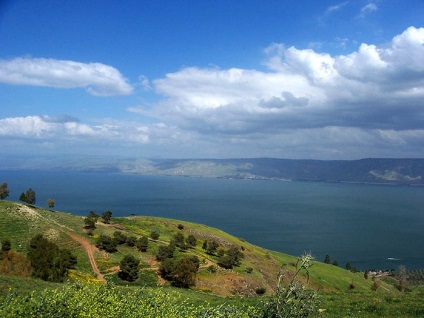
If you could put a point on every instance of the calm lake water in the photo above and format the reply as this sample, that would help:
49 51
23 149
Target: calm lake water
371 226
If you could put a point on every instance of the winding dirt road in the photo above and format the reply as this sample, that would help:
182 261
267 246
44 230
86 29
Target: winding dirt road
88 247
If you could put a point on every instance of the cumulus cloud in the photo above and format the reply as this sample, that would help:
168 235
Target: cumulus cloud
304 104
66 127
98 79
376 87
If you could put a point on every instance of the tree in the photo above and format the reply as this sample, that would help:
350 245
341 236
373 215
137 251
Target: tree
119 237
181 272
28 196
191 240
4 192
179 240
348 266
165 252
232 257
90 221
106 217
327 259
48 261
129 268
210 246
335 263
131 241
142 244
185 270
107 243
50 203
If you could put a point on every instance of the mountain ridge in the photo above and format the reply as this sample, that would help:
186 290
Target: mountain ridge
397 171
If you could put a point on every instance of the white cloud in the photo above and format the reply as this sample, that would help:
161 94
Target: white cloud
306 104
367 9
98 79
336 7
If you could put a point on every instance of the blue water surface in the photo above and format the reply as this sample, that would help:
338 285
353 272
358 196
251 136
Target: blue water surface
371 226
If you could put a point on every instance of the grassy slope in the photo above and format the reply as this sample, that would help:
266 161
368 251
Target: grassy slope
19 223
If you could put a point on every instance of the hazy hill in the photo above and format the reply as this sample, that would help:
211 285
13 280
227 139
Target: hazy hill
394 171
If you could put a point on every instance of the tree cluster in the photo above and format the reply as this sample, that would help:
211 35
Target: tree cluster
110 243
226 258
180 270
28 196
48 261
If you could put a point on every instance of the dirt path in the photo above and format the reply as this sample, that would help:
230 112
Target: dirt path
88 247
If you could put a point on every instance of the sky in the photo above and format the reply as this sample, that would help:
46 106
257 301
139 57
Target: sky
212 79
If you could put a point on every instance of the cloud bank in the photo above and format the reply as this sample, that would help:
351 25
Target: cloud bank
98 79
304 104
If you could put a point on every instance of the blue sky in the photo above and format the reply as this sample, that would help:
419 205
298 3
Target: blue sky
212 79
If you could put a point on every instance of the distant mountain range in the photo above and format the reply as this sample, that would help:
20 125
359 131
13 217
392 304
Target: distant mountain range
393 171
390 171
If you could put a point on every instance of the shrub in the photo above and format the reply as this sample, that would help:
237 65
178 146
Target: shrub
154 235
294 300
260 290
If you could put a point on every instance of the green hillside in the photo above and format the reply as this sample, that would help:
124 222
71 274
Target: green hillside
340 290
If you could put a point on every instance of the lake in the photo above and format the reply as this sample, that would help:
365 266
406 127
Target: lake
371 226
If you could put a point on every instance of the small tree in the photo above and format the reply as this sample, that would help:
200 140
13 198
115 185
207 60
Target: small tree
185 272
210 246
179 240
327 259
129 268
4 192
131 241
119 237
181 272
191 240
348 266
90 222
107 216
50 203
154 235
142 244
165 252
107 243
28 196
335 263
